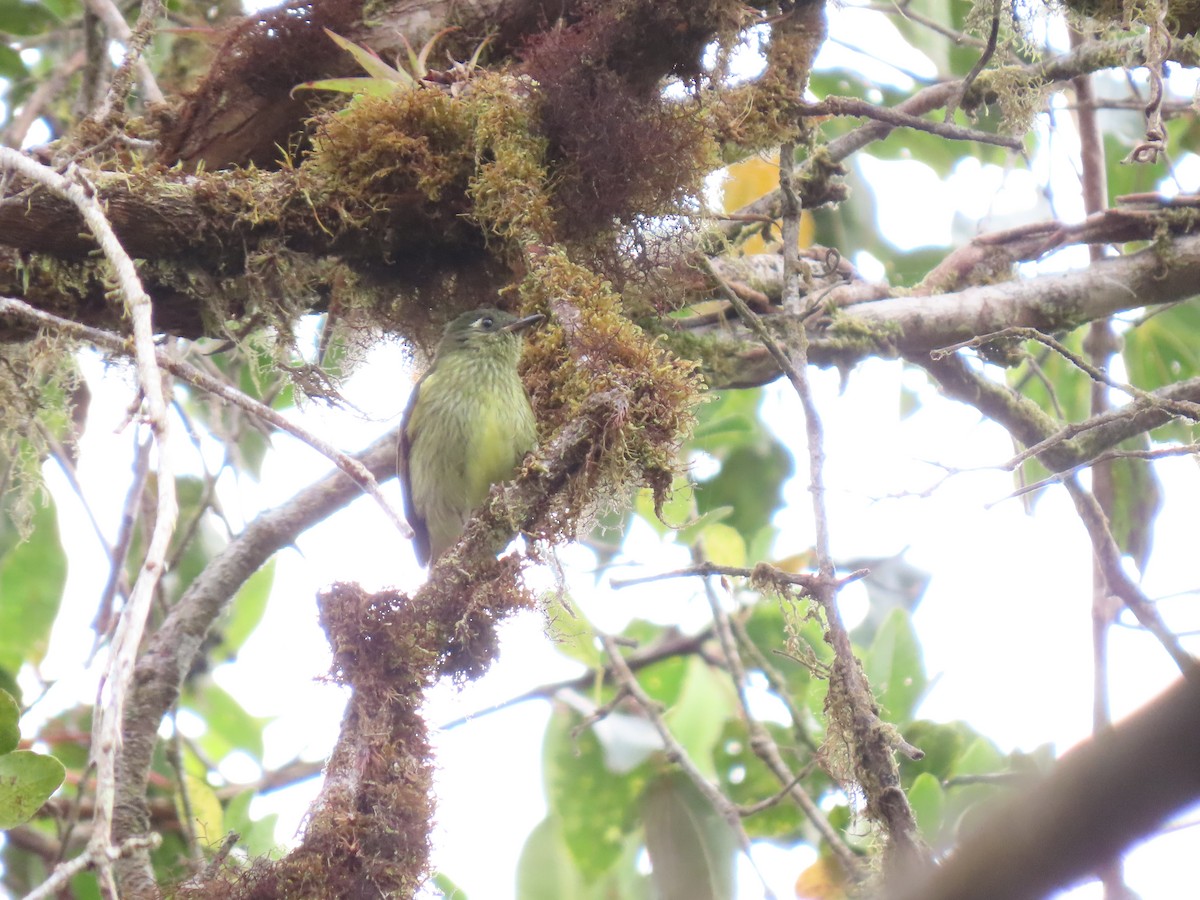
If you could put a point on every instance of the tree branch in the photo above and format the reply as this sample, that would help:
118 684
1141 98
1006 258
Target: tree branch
1099 798
171 650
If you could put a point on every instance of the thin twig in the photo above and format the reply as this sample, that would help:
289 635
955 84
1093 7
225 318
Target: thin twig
676 752
984 59
1108 557
118 30
193 376
114 687
871 741
897 118
88 859
1183 408
764 746
118 580
1058 477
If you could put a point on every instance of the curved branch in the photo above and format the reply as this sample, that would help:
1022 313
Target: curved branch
1099 798
916 326
171 650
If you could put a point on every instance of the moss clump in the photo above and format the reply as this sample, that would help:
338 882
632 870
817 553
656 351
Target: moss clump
591 348
394 158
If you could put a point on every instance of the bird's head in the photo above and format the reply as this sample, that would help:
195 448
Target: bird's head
486 331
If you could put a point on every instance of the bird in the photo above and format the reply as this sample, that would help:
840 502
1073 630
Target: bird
467 425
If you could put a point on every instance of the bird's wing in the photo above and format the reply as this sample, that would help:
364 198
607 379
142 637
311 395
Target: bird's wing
419 526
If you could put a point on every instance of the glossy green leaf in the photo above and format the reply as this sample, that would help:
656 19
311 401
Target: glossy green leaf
27 780
32 575
691 848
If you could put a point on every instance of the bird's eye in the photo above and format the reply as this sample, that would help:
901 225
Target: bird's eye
486 323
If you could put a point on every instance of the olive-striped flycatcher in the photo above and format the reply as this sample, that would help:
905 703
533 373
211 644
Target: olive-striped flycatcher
467 425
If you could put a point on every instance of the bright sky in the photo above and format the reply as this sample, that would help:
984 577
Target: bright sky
1005 624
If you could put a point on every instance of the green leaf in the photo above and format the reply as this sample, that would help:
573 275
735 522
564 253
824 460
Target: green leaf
9 685
370 87
32 575
27 780
10 718
230 727
24 19
572 634
1165 348
595 808
1057 385
723 545
690 532
257 835
746 780
664 680
941 742
893 583
64 10
12 66
953 59
750 482
895 667
247 610
546 870
928 803
208 817
691 848
786 640
698 718
1137 499
448 888
370 61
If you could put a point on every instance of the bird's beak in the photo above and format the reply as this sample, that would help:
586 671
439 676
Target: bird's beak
522 324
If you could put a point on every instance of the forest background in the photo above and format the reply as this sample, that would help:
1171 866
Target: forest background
865 486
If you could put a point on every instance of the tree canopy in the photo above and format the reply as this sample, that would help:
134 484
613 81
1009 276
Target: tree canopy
234 212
